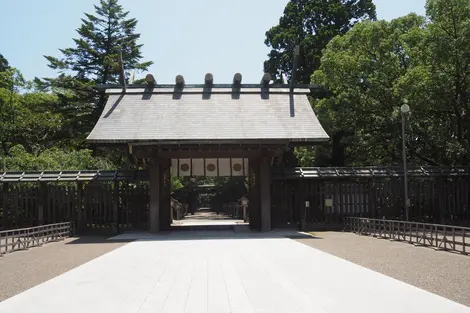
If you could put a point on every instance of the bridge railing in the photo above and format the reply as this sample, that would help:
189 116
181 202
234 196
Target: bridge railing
25 238
438 236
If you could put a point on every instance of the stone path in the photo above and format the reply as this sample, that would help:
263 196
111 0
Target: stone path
207 218
224 272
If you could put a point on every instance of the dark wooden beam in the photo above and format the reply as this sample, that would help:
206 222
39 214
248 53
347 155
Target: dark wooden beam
154 197
294 67
265 194
165 218
266 80
209 80
141 152
150 80
179 80
237 79
254 206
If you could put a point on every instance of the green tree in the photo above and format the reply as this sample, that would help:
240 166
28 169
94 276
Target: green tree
311 24
95 59
34 119
448 73
96 51
39 123
11 81
364 70
376 67
3 63
52 160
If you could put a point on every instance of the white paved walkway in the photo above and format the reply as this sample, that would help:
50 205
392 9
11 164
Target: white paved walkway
231 273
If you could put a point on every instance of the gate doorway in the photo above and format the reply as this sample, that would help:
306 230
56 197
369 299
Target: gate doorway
209 193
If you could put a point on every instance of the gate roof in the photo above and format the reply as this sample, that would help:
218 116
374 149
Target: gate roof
197 114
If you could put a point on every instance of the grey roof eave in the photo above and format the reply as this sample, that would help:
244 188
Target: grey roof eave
211 141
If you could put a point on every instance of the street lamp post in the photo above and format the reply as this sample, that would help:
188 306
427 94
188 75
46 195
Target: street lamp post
405 110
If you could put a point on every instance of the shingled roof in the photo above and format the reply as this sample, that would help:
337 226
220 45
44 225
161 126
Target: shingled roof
197 114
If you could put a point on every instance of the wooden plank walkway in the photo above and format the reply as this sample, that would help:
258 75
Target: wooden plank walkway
224 272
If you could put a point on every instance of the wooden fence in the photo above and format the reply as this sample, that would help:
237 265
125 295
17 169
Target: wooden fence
120 201
91 205
432 199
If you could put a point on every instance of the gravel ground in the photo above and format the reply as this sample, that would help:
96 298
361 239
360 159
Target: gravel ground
22 270
443 273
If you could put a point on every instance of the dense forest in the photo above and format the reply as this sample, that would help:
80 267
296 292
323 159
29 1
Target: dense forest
367 67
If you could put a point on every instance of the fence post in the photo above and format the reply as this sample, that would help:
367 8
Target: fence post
41 202
6 209
372 203
116 207
80 215
441 192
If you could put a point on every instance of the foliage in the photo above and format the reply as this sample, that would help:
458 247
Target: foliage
311 24
96 53
10 81
52 159
176 183
4 65
223 190
94 60
49 118
34 119
37 129
378 66
447 69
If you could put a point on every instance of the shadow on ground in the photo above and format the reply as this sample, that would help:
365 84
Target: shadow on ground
236 234
196 232
90 239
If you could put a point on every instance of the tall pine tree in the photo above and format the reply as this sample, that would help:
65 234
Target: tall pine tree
96 51
3 63
94 60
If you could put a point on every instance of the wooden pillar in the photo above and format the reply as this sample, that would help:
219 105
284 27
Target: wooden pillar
165 194
154 197
265 186
254 196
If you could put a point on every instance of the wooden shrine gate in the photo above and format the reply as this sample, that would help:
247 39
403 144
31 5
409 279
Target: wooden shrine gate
119 200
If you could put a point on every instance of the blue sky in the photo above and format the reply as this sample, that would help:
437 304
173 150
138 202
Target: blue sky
185 37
